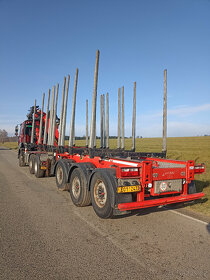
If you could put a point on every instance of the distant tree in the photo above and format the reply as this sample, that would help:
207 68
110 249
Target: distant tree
3 135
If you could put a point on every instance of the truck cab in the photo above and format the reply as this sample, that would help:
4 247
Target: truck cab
24 136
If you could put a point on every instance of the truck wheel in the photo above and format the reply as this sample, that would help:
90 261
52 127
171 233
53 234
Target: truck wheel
31 163
21 160
191 188
39 173
61 176
100 190
79 192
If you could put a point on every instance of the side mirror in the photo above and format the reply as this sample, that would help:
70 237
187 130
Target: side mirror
16 130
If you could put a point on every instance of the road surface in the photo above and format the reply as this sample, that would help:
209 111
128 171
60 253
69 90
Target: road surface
44 236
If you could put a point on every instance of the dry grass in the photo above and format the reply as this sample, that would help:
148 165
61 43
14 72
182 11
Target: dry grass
9 145
183 148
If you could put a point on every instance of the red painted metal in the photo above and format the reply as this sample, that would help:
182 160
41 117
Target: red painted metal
158 202
146 171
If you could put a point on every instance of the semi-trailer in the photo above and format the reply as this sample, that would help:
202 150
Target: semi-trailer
114 181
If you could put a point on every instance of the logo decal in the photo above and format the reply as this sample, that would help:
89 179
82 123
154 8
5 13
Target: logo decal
163 186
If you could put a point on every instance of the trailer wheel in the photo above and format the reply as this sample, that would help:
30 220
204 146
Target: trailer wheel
100 190
191 188
31 163
39 173
61 176
79 192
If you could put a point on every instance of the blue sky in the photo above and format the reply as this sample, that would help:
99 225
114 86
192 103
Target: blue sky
42 41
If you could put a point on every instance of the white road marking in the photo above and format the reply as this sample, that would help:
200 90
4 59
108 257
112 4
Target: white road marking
189 217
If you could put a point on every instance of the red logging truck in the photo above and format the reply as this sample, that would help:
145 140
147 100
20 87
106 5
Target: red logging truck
114 181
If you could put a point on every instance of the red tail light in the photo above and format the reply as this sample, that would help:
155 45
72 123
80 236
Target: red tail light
200 168
129 172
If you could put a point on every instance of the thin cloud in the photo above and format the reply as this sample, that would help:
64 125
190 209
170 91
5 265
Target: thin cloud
181 111
189 110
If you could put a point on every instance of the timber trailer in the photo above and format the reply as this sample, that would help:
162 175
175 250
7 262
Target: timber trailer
114 181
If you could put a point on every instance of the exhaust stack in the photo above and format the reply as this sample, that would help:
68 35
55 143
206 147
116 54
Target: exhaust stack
41 121
64 113
46 119
72 126
93 113
33 123
134 118
107 120
61 117
164 149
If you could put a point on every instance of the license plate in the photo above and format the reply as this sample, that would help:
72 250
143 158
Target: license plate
126 189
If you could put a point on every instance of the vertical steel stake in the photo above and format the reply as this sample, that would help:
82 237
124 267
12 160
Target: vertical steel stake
86 123
55 116
104 132
61 117
64 113
49 141
33 124
123 121
72 125
134 118
41 121
101 123
165 112
93 113
107 120
46 119
119 120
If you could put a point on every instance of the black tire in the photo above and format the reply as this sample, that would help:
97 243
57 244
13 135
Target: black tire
61 176
102 194
39 173
21 160
31 163
191 188
79 192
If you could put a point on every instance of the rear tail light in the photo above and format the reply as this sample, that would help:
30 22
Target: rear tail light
200 168
129 172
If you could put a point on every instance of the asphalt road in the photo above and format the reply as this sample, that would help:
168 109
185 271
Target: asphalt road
44 236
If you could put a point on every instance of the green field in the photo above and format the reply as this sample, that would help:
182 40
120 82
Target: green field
182 148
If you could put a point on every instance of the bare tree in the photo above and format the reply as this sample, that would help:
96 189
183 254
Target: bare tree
3 135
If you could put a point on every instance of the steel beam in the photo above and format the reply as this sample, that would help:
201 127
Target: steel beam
41 121
64 113
93 113
107 120
134 118
165 112
55 116
61 117
46 119
119 120
72 125
33 124
123 122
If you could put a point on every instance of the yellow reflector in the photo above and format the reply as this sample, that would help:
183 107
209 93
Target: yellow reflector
126 189
43 167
